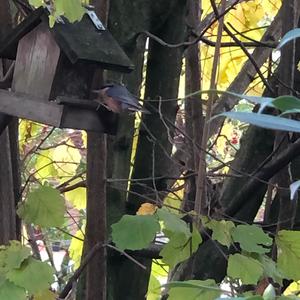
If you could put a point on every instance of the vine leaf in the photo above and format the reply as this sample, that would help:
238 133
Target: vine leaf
222 231
45 295
193 289
180 247
44 207
245 268
270 269
12 256
33 275
135 232
252 238
288 243
10 291
172 223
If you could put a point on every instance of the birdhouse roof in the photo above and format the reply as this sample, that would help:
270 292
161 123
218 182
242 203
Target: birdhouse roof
79 41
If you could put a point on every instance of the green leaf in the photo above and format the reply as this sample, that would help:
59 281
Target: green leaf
180 247
270 269
33 275
44 207
245 268
9 291
12 256
288 243
285 103
265 121
154 289
52 21
289 36
193 290
135 232
71 9
36 3
172 223
251 237
45 295
221 231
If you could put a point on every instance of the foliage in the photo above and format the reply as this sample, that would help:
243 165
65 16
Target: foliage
245 268
21 273
44 207
135 232
193 289
71 9
59 162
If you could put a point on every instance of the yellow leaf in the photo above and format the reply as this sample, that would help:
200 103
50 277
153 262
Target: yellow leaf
147 209
45 295
44 165
75 249
66 160
292 289
77 197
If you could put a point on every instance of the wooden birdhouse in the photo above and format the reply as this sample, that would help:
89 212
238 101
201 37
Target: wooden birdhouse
59 63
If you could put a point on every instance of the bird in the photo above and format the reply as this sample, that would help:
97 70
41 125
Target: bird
118 99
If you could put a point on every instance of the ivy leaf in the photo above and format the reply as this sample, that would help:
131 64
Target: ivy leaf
251 237
10 291
33 275
134 232
12 256
193 289
44 207
180 247
248 269
288 243
221 231
172 223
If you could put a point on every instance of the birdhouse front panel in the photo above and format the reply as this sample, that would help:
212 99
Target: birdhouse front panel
36 63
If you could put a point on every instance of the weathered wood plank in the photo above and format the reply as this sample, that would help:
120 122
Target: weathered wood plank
62 116
36 63
26 107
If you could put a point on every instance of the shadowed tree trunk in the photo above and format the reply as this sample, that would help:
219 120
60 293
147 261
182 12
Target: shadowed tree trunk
165 19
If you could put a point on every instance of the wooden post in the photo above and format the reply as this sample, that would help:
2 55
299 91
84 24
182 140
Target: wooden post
96 277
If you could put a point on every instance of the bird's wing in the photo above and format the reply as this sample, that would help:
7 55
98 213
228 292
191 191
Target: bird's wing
120 93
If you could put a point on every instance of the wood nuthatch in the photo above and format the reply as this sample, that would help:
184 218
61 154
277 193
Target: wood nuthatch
117 99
